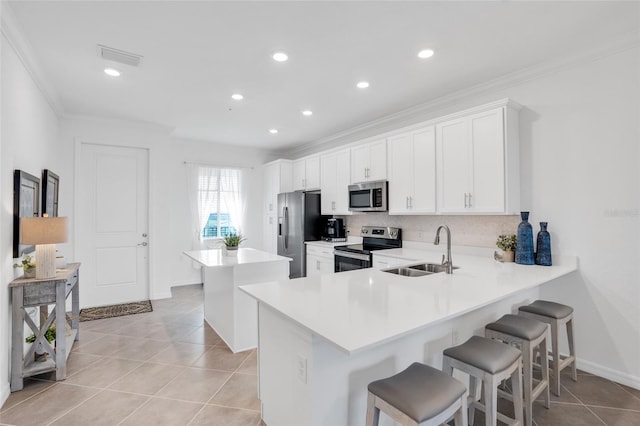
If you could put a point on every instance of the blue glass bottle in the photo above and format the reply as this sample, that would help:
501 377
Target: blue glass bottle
524 249
543 253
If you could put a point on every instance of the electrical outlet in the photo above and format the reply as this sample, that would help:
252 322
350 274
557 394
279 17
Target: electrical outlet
420 236
301 368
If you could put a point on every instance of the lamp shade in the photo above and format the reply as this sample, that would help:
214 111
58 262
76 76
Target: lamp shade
43 230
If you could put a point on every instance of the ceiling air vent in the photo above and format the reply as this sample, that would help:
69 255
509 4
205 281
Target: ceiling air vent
111 54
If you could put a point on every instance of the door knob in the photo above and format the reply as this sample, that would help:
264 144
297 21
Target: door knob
143 244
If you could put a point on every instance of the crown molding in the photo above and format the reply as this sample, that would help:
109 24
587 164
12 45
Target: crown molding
12 31
412 115
120 122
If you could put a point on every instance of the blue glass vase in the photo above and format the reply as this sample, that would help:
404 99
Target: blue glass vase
524 249
543 253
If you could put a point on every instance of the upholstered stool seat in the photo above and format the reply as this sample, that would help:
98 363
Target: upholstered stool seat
527 334
418 395
556 315
491 362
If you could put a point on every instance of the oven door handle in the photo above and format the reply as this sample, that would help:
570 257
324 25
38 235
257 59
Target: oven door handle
350 255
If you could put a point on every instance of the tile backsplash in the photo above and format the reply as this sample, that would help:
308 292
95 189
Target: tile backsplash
475 231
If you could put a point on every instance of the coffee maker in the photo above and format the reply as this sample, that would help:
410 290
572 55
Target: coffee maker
334 231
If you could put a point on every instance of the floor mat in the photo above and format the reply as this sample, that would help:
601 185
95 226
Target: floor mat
100 312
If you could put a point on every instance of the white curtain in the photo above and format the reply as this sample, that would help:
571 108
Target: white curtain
232 197
204 185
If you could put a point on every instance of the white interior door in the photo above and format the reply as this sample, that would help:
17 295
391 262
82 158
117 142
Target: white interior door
112 224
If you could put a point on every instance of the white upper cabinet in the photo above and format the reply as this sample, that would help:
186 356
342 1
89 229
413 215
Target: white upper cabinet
478 163
335 174
412 172
276 179
369 162
306 173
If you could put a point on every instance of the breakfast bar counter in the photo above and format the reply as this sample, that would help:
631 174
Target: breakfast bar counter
323 339
230 312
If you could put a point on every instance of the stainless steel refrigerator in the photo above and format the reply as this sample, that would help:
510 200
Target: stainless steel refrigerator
299 220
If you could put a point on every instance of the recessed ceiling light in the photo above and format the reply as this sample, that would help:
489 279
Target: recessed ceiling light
280 56
307 112
237 96
273 131
112 72
362 84
426 53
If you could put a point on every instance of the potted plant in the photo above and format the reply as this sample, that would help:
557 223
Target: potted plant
507 243
28 265
40 354
232 241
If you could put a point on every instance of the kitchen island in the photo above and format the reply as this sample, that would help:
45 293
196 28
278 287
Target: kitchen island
323 339
230 312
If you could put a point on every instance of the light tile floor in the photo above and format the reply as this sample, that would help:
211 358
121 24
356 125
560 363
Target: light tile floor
161 368
169 368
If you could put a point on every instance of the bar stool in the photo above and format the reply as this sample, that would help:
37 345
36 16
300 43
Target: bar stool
418 395
555 314
527 334
490 362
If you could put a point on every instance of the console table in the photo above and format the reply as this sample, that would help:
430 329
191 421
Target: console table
31 292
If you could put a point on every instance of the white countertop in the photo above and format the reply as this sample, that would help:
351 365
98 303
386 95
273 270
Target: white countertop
360 309
217 257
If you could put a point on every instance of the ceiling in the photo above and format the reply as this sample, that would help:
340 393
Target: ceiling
197 54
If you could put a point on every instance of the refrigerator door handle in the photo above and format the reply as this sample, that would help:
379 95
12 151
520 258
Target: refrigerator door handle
285 214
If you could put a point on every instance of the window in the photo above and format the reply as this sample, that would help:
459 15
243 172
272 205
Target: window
219 201
214 223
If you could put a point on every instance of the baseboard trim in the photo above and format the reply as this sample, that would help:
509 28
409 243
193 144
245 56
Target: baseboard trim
180 284
608 373
4 393
158 296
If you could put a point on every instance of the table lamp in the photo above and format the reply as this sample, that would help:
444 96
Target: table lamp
44 233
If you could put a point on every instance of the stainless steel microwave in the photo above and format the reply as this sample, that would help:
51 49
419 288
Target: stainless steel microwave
368 197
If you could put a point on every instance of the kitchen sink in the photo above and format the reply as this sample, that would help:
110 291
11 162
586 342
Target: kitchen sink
407 272
430 267
418 270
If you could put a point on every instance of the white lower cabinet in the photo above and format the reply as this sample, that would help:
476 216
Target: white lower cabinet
319 260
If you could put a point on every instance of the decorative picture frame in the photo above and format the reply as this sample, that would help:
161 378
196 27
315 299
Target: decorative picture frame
26 203
50 190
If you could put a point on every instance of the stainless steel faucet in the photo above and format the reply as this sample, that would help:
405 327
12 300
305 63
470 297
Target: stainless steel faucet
448 263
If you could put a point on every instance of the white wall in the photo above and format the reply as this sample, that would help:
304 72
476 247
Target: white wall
29 142
169 227
579 134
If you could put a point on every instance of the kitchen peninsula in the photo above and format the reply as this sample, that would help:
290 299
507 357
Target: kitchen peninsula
324 338
230 312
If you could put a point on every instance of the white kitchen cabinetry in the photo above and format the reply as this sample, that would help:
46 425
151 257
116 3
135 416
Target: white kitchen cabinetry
276 179
334 182
319 260
306 173
369 162
412 172
478 162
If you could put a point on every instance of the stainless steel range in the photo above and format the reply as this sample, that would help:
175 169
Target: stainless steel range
359 256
